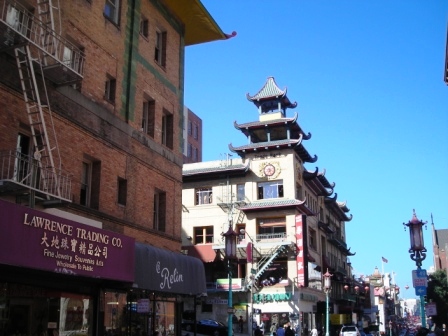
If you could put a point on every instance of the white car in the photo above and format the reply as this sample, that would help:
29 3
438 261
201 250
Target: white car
350 330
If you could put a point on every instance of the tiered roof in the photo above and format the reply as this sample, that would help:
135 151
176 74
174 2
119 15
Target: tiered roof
269 92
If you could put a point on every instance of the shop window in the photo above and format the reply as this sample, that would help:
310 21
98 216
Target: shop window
159 219
203 235
204 196
272 189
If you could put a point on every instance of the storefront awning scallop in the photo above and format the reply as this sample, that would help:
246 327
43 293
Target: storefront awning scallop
164 271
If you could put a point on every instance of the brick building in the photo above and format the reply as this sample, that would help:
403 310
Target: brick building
192 136
91 121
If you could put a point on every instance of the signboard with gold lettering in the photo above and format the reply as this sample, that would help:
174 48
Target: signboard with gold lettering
35 239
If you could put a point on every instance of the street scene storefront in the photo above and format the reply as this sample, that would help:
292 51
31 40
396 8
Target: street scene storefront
59 277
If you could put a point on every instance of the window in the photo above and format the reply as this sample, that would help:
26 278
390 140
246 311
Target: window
240 193
272 189
312 239
189 149
109 93
190 127
196 131
167 129
144 27
111 10
204 196
17 20
160 48
195 154
148 117
90 184
122 191
159 219
203 235
269 228
299 192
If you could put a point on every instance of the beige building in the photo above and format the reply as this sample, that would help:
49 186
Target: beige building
290 225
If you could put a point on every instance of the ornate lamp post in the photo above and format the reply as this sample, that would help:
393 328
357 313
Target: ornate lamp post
327 289
230 254
418 252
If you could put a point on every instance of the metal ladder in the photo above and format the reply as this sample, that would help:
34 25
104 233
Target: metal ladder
43 151
48 39
267 260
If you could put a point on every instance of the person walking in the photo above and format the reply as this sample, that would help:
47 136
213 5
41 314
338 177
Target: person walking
281 331
273 329
257 331
289 331
314 332
241 324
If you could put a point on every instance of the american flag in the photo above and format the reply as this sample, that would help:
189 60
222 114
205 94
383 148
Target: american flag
384 259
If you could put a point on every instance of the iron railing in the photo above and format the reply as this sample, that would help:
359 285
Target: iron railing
24 171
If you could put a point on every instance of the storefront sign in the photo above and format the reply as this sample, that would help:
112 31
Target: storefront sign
272 297
35 239
224 284
302 269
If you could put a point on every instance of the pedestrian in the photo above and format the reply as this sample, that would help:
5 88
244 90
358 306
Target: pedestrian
273 329
241 324
314 332
262 327
281 331
289 331
257 331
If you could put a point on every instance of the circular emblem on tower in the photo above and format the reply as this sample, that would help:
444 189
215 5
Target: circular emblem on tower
269 169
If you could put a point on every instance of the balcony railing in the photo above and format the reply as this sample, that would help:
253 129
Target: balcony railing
17 25
19 171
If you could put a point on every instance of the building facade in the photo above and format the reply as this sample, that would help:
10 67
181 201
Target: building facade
91 115
192 137
290 226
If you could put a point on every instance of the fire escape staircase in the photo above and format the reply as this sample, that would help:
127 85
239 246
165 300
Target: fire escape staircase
38 48
267 259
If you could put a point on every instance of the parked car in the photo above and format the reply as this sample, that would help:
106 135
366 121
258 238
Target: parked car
207 327
349 330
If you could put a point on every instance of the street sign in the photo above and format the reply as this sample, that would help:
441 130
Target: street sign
419 278
431 309
420 290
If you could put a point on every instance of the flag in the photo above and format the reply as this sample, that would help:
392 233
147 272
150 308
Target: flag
384 259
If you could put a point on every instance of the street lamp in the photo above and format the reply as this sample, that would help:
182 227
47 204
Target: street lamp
327 289
418 252
230 254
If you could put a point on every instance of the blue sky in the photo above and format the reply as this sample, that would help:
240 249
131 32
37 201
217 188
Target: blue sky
368 79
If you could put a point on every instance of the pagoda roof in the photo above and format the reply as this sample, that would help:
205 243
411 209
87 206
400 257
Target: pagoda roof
276 204
318 182
272 145
270 91
214 169
295 128
339 208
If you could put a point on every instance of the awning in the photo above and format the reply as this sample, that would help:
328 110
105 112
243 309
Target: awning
164 271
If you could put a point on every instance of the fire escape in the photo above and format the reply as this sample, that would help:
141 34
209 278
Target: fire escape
41 53
264 249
